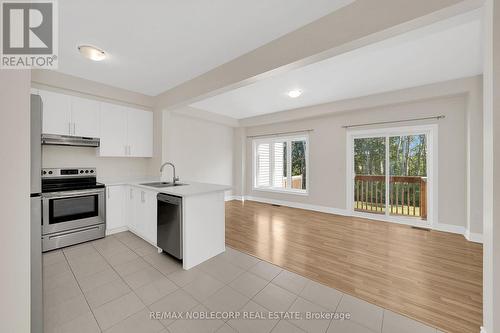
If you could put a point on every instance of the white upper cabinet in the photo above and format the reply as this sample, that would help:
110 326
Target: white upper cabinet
126 131
56 113
140 133
69 115
85 117
113 130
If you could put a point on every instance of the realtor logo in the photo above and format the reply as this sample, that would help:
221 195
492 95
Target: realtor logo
29 34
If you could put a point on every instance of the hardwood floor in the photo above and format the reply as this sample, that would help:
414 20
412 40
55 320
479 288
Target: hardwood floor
431 276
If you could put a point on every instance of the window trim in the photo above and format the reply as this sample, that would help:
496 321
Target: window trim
431 130
272 140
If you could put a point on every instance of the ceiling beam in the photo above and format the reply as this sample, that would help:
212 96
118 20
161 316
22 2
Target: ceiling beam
407 95
41 78
359 24
191 112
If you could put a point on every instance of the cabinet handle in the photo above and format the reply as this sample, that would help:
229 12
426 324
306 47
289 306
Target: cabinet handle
142 197
131 194
108 193
74 128
69 128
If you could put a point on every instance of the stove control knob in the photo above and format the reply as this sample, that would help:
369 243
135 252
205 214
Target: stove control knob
86 171
50 172
91 171
81 171
44 172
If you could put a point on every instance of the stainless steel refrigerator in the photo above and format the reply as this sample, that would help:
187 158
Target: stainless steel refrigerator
36 215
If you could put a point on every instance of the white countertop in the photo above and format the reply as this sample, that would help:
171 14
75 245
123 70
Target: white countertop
191 189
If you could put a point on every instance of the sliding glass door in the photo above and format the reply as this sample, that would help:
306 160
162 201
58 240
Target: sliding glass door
369 179
408 178
390 172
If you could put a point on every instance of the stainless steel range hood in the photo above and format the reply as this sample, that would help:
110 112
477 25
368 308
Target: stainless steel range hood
66 140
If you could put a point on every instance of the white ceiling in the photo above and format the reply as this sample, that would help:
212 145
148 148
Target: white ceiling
157 44
443 51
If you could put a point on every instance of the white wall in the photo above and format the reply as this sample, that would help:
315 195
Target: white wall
474 133
15 201
155 162
108 168
198 142
44 78
239 161
327 153
358 24
201 150
491 250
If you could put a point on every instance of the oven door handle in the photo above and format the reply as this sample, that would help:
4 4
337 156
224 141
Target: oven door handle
57 195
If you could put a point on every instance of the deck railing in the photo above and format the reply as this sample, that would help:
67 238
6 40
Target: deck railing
407 195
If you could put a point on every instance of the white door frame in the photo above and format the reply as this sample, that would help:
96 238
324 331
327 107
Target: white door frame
431 131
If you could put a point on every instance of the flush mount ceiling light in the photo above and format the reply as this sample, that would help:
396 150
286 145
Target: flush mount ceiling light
92 52
294 93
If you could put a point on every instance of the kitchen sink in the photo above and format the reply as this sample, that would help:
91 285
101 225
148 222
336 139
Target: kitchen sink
163 184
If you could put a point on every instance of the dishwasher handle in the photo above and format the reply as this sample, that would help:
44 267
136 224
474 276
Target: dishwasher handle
169 199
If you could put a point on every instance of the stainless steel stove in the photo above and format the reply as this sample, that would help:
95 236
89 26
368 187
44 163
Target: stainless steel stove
73 207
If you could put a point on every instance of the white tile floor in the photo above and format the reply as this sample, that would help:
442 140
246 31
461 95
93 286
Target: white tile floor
113 284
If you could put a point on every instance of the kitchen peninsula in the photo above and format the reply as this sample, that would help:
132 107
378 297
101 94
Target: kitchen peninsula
133 205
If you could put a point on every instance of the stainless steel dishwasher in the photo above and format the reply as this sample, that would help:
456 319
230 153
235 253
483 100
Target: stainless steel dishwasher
169 232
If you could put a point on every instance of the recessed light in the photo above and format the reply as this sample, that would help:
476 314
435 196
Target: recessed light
294 93
92 52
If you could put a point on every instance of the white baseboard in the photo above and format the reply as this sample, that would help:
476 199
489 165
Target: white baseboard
150 241
473 237
483 330
454 229
234 197
116 230
316 208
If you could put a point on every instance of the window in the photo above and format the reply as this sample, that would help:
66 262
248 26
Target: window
280 164
391 172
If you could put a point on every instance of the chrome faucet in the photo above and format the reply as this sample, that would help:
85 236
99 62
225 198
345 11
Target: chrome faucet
174 178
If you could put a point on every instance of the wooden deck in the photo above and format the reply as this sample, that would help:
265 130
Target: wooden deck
430 276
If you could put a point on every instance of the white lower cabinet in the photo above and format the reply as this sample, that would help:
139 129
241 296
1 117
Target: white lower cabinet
145 214
115 204
150 208
137 210
130 208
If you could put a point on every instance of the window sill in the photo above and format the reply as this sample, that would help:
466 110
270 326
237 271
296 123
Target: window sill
282 191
